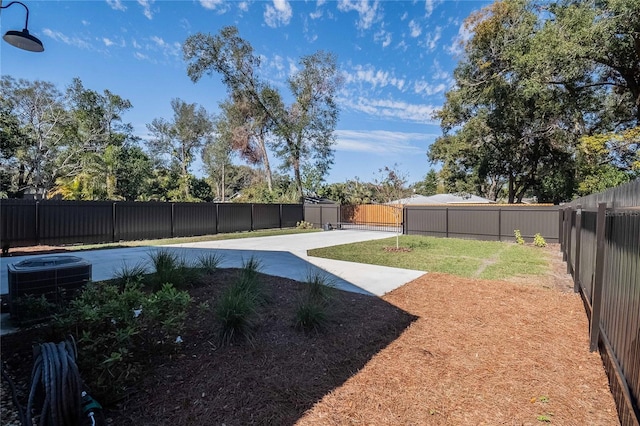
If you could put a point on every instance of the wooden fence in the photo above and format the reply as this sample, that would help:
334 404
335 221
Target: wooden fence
601 245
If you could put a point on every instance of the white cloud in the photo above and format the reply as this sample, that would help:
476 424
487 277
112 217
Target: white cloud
380 142
211 4
141 56
107 42
243 6
368 14
431 41
146 6
388 108
135 44
278 14
383 37
116 5
459 41
429 5
376 78
404 16
415 28
72 41
85 23
423 87
168 49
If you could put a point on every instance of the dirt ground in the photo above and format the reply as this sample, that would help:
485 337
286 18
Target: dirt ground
440 350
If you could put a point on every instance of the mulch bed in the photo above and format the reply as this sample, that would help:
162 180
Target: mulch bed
439 350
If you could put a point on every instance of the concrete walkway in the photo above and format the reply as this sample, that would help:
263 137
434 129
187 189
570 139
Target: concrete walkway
282 255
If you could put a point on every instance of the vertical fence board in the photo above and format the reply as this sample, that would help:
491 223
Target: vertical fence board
18 223
69 222
234 217
291 215
141 221
266 216
191 219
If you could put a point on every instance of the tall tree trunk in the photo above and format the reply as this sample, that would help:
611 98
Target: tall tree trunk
265 161
511 189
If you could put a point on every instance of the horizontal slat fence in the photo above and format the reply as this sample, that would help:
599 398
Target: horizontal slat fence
52 222
601 244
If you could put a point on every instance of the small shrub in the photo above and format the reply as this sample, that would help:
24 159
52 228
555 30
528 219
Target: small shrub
539 241
318 286
304 225
249 280
130 273
518 236
169 268
29 308
235 311
209 263
311 314
117 327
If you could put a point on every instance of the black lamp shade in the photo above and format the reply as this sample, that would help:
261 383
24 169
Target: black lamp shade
23 40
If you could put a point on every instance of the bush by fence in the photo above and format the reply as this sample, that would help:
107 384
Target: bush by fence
27 222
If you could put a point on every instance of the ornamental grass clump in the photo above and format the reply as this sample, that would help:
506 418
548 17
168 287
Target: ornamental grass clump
235 312
209 263
170 268
311 312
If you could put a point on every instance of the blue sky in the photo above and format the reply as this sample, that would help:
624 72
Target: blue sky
397 58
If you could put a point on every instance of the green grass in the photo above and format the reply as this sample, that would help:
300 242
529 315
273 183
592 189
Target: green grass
466 258
183 240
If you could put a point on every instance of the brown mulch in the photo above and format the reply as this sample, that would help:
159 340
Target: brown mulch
439 350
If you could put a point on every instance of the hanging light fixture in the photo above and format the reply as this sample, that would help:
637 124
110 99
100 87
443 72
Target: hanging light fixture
22 39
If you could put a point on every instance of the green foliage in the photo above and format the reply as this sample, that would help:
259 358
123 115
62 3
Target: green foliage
539 241
304 225
430 185
311 311
130 273
209 262
117 328
30 308
170 268
235 312
518 235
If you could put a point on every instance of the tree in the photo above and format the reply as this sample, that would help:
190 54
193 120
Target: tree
181 138
506 124
40 110
216 157
133 172
304 130
430 185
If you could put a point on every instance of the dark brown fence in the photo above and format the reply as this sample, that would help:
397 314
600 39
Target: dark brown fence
494 222
27 222
602 249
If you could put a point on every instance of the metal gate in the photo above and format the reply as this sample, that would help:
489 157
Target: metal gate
372 217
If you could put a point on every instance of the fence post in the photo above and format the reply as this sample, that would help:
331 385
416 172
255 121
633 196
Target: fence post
578 249
561 230
499 224
113 222
217 216
446 219
321 209
596 296
172 218
252 217
568 242
280 218
37 205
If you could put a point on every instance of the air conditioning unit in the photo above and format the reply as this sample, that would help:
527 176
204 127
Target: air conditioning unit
58 278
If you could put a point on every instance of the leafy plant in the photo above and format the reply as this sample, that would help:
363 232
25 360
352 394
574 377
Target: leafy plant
130 273
310 314
169 268
29 308
518 236
235 311
304 225
117 327
209 262
539 241
544 418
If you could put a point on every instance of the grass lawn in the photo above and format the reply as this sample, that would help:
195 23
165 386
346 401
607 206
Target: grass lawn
465 258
